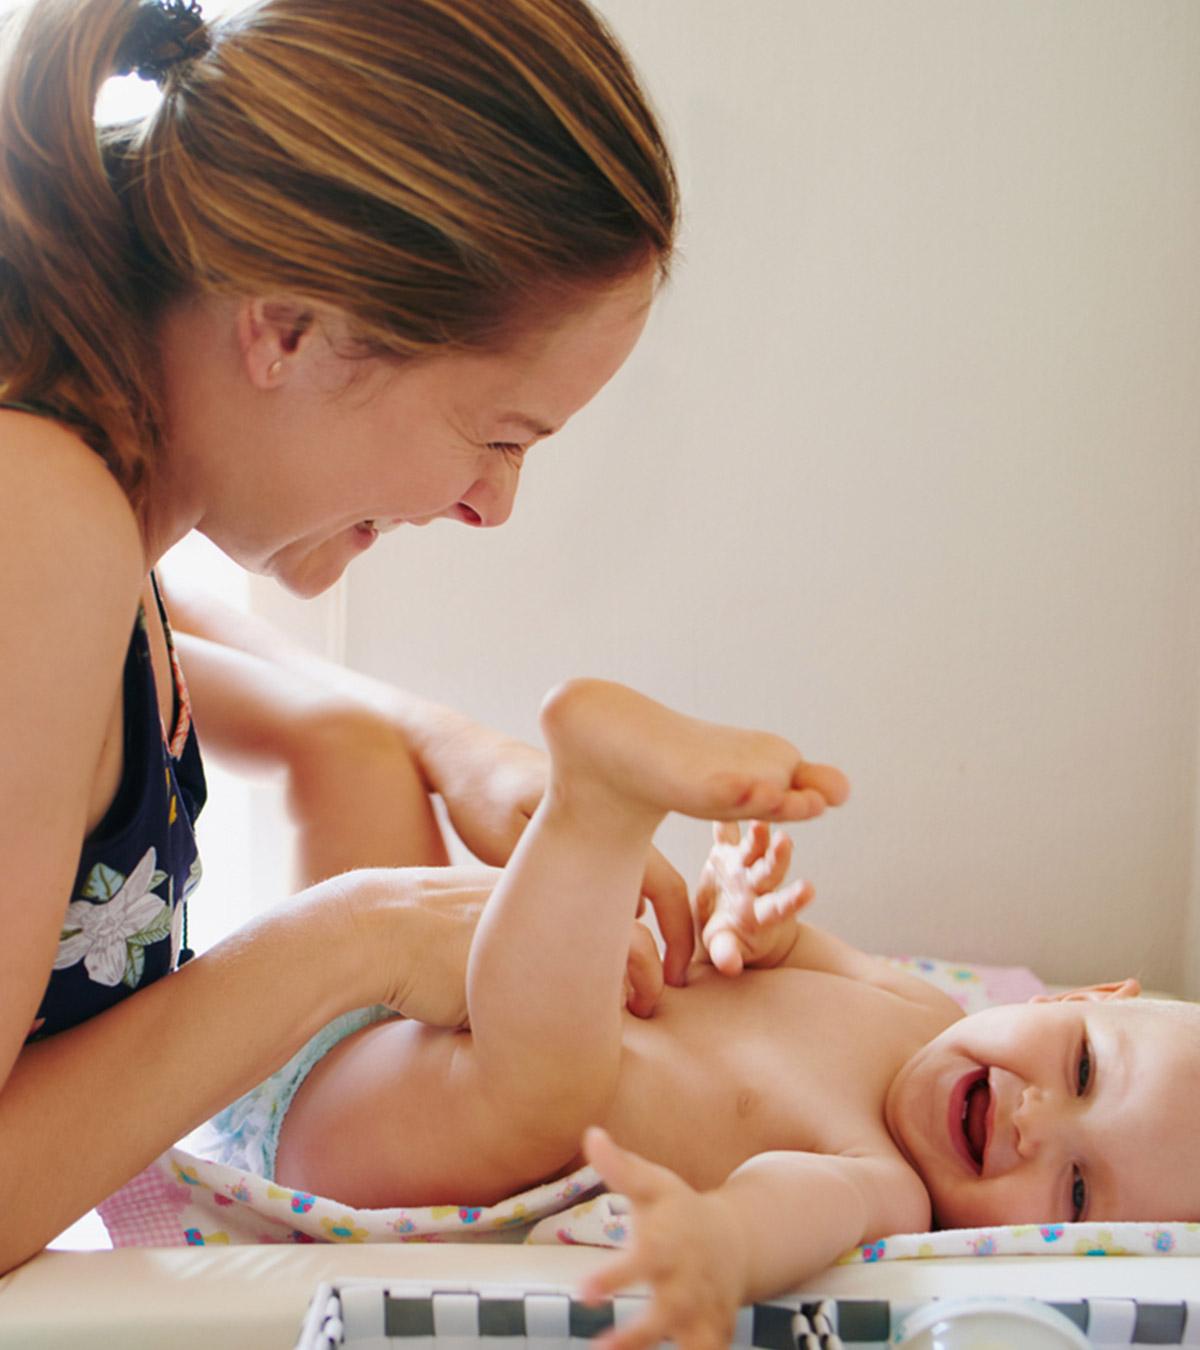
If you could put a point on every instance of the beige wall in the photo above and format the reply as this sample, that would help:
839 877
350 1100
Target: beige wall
906 467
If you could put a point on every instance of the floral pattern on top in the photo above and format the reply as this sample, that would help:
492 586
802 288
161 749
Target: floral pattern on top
124 918
111 937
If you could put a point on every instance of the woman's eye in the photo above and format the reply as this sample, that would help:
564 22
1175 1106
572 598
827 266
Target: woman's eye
1083 1071
1078 1195
510 448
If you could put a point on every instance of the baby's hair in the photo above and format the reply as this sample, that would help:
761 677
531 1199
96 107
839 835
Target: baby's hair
442 171
1181 1008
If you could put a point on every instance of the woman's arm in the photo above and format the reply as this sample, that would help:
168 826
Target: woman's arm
82 1111
491 783
353 789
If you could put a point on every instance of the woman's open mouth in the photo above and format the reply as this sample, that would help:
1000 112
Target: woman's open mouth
970 1118
378 525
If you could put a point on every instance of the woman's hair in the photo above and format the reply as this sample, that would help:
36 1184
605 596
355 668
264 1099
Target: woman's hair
442 171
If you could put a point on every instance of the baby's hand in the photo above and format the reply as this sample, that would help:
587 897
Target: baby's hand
682 1247
743 919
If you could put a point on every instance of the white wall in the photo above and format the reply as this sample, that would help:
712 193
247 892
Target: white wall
905 468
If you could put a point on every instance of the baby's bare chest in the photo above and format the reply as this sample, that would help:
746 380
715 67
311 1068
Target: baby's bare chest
790 1060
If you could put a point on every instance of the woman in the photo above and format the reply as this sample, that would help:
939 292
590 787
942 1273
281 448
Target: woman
358 262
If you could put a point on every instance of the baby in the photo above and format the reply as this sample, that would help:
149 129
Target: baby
760 1125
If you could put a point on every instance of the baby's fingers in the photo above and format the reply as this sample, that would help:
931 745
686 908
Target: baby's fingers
725 952
619 1273
704 901
779 905
626 1172
754 844
646 1332
772 863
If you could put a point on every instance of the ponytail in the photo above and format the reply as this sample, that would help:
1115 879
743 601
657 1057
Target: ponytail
74 313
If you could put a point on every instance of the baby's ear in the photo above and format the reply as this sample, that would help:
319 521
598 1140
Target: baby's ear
1129 988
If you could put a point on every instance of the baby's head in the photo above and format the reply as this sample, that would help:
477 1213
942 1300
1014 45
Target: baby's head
1082 1106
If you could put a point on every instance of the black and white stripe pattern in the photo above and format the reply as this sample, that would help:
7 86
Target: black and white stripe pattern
411 1315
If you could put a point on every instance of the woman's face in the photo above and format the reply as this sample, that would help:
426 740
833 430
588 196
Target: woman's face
298 476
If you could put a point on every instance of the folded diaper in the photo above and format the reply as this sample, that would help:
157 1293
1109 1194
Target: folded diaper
245 1135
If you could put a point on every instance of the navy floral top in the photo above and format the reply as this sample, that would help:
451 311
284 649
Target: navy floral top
124 925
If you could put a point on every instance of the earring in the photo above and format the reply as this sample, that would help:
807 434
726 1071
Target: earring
275 370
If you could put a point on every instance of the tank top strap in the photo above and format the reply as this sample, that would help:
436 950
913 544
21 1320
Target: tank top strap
181 700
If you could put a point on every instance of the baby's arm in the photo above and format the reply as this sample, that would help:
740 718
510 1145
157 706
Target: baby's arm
743 913
747 918
778 1219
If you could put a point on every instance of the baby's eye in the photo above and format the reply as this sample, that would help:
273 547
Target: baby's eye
1083 1070
1078 1195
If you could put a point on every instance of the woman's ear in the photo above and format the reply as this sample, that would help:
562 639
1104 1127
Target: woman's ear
1129 988
270 333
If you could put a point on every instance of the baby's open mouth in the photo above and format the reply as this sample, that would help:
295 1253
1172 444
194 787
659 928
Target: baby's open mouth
970 1104
975 1119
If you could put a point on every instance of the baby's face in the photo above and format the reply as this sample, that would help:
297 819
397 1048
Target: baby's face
1055 1111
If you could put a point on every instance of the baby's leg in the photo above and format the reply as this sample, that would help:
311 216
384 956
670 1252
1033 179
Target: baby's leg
545 973
401 1114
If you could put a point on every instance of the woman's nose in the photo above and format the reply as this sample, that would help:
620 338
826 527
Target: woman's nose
489 499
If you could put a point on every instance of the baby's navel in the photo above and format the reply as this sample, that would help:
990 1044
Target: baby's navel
747 1103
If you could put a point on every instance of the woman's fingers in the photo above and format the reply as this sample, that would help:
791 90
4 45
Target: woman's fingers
643 973
667 892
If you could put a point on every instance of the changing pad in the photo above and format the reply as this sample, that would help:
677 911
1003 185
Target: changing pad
185 1199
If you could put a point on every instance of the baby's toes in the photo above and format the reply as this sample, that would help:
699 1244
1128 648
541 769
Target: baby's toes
831 783
798 804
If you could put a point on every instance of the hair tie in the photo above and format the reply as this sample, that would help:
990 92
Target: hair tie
164 34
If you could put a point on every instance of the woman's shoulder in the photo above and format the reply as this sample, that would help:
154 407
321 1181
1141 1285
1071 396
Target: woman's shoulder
62 503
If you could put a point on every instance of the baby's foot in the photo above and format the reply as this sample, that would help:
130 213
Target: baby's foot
606 737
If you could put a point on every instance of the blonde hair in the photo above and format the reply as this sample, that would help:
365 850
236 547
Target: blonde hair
439 170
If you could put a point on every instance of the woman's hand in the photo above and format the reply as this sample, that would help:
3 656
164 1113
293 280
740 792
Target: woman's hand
743 917
411 930
491 785
683 1247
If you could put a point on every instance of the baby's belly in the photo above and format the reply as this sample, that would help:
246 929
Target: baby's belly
727 1069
